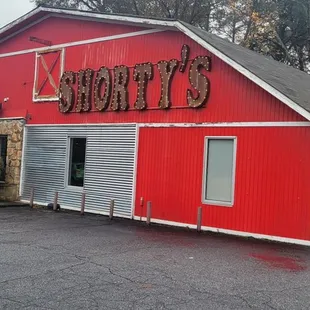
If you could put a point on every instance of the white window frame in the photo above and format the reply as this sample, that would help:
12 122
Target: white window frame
205 165
35 96
68 156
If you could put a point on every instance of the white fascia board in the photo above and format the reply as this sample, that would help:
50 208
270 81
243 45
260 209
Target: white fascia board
290 103
24 28
19 20
227 124
83 42
184 125
12 118
119 18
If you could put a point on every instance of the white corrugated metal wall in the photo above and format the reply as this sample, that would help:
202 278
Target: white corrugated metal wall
109 167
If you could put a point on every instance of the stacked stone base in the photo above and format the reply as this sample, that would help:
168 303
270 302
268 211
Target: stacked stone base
13 129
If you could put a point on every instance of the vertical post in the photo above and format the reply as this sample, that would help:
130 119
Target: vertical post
31 197
55 201
141 205
83 203
111 209
199 219
148 212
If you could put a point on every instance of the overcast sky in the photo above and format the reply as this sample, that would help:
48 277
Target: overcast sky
13 9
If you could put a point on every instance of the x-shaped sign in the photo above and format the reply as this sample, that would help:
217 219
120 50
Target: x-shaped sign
49 77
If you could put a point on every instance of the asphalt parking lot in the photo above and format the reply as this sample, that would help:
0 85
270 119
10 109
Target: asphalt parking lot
64 261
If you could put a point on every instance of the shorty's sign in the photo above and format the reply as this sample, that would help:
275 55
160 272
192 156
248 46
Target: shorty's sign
97 86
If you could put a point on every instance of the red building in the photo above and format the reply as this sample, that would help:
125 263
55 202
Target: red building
137 110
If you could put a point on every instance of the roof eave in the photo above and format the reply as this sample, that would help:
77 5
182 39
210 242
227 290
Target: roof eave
20 20
247 73
129 20
121 18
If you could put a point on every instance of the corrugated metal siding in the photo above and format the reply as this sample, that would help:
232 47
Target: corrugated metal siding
62 30
272 194
109 168
233 97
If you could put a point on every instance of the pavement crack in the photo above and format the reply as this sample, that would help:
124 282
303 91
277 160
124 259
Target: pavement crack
63 261
122 277
41 274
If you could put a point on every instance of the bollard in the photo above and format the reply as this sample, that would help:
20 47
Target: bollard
111 209
31 197
141 205
148 212
83 203
55 201
199 219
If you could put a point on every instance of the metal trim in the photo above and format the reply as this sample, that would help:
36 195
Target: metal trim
205 165
229 124
22 171
135 170
89 41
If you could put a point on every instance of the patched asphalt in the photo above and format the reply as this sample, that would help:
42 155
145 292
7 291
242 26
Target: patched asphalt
64 261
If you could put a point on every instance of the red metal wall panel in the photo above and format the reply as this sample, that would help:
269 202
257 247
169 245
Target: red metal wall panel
272 179
61 30
232 96
271 195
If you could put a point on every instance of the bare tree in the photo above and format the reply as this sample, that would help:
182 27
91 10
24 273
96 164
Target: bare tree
195 12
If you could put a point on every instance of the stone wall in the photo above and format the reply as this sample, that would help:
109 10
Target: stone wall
13 129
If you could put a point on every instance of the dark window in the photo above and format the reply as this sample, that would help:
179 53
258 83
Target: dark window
3 148
77 161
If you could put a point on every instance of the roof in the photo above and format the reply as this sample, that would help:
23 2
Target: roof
290 82
287 84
